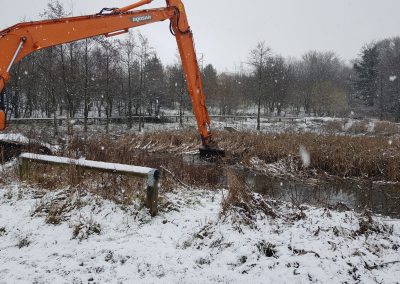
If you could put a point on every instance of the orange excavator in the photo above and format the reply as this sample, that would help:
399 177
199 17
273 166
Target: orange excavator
22 39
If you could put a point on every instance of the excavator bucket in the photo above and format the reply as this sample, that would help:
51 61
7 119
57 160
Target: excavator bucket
211 151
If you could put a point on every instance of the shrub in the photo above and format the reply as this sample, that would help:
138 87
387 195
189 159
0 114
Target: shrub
85 228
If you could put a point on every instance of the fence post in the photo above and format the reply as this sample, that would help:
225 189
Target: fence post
152 192
24 165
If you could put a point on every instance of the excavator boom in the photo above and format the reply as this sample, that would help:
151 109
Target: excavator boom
22 39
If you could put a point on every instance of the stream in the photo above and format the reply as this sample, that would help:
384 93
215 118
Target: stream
334 192
380 198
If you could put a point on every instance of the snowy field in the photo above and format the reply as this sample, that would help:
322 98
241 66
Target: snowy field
69 236
97 241
319 125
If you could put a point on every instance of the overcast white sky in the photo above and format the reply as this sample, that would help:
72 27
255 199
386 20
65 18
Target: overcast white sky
226 30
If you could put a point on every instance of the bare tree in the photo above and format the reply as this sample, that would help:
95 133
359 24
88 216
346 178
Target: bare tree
258 60
87 81
143 54
128 48
107 60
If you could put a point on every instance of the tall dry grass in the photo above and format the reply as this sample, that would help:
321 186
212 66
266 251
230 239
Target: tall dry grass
119 188
333 126
344 156
385 128
358 127
162 151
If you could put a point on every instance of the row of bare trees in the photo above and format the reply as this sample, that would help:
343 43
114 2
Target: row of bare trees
93 77
105 78
317 84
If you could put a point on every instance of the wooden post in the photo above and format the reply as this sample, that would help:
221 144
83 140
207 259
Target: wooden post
24 165
152 192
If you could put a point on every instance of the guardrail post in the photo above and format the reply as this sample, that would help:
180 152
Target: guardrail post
152 192
24 165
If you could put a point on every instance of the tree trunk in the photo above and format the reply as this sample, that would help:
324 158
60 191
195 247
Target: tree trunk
86 89
381 100
130 114
259 114
66 91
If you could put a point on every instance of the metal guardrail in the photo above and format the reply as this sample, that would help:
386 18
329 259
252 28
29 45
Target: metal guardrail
152 175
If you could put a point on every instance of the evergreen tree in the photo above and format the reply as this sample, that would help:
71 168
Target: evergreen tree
366 68
210 82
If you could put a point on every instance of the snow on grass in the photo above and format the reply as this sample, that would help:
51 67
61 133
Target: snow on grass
278 125
19 138
99 241
14 137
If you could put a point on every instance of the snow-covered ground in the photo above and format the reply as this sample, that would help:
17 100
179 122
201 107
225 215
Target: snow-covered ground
66 236
318 125
97 241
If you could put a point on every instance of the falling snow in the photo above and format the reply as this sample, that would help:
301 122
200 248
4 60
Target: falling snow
305 157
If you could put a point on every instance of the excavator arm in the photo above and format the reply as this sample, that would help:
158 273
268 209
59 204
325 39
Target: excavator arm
22 39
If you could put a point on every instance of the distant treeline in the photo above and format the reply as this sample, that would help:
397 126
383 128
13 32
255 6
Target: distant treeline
108 77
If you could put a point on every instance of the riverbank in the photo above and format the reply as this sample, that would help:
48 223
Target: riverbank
195 238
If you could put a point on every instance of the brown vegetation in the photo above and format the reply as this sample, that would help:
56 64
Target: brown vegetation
241 204
161 150
385 128
126 150
118 188
358 127
333 126
345 156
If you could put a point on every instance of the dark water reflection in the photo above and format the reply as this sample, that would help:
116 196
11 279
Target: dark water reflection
381 198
